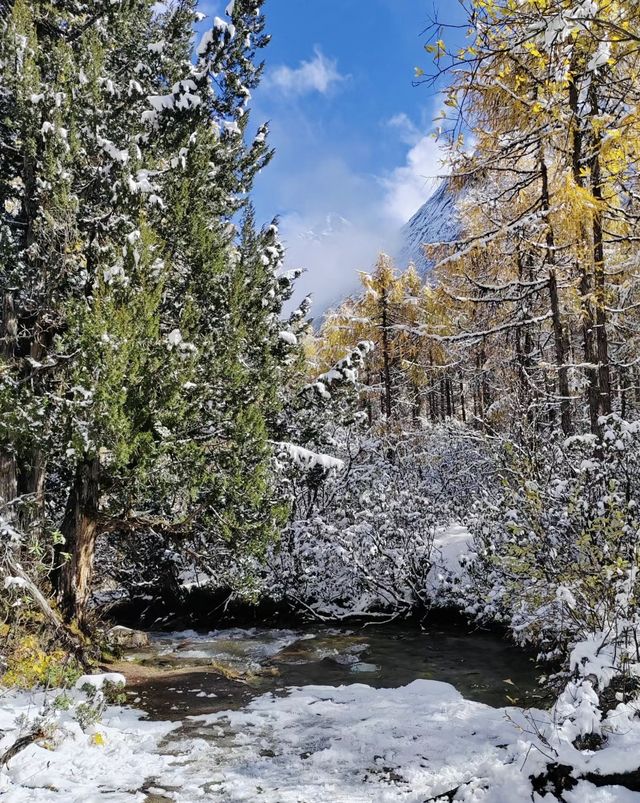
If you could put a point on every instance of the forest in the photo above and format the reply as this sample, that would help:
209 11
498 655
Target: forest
254 553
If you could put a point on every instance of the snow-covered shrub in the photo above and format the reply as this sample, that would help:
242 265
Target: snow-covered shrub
35 648
58 713
361 539
556 552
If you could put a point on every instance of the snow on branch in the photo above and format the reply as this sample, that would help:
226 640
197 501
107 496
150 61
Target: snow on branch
306 459
345 371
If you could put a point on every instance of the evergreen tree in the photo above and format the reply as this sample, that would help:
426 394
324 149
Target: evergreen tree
141 345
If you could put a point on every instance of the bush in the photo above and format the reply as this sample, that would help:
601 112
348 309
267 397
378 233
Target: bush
361 540
556 554
30 666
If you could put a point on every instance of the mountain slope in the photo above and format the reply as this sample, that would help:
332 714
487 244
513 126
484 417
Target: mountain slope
437 221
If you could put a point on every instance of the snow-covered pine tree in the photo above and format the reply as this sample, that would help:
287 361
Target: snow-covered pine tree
227 293
140 342
83 273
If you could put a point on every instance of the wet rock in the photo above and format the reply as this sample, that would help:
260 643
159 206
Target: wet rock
127 639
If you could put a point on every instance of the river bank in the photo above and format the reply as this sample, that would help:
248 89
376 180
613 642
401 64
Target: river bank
386 714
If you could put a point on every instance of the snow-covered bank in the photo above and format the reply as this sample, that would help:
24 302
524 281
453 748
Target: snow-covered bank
351 744
108 761
346 744
355 744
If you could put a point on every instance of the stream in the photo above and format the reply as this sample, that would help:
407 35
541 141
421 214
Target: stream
253 702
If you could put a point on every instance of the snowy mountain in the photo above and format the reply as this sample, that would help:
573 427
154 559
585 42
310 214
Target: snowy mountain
333 245
437 221
333 225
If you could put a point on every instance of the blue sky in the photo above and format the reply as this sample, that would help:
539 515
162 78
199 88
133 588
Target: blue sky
354 153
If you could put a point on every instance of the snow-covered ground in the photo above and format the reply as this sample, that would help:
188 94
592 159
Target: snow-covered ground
106 763
449 545
348 744
352 744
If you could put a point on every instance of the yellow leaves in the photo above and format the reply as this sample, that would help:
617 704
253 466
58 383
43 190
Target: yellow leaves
531 48
437 49
29 665
98 739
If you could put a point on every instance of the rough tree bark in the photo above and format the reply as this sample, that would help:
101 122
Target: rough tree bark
599 273
79 528
8 333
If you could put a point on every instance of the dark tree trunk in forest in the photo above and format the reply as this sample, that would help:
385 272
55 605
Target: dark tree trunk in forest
561 350
560 337
599 280
8 333
31 481
593 390
386 357
79 528
484 392
8 480
32 465
21 475
622 390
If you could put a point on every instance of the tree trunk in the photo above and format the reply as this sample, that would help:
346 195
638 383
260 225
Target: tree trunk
599 279
369 404
593 391
559 331
561 350
8 482
31 485
8 474
79 528
485 393
386 357
622 390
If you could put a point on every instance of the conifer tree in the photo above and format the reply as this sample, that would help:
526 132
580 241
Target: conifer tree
141 337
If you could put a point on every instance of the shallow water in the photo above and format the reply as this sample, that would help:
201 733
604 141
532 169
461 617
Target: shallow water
226 668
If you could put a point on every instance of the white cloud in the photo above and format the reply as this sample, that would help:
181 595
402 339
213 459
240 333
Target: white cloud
405 127
335 219
341 219
318 75
408 186
332 260
336 227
